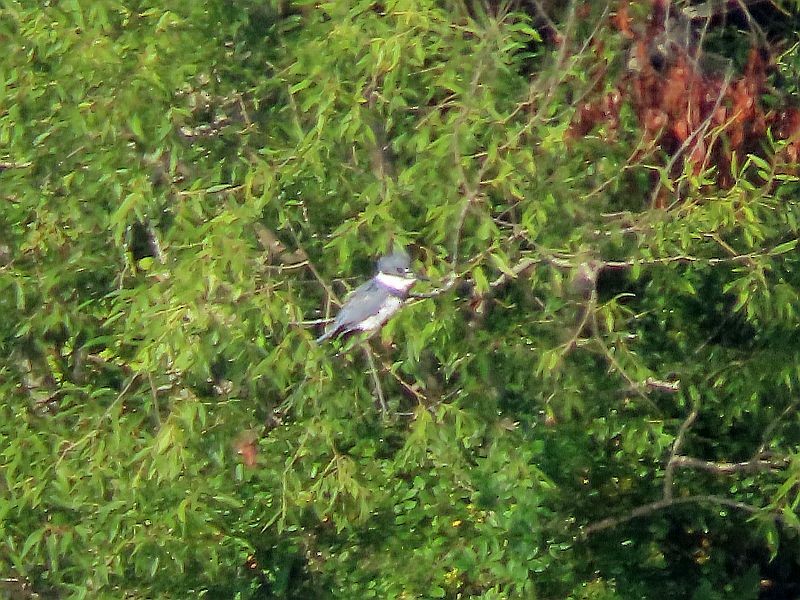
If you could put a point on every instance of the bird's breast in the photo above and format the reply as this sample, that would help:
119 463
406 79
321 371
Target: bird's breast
390 306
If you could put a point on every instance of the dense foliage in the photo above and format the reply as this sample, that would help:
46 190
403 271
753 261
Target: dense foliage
595 397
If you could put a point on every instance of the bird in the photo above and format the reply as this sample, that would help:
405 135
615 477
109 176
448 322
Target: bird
371 304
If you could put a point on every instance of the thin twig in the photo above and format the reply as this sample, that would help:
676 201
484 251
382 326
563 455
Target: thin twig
774 424
446 287
615 364
333 297
375 379
641 151
406 386
684 258
323 321
588 311
542 14
216 190
517 270
669 471
96 430
280 515
690 139
555 76
154 394
470 190
328 289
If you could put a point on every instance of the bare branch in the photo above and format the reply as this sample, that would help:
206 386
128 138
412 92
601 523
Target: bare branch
652 507
668 387
4 165
516 271
726 468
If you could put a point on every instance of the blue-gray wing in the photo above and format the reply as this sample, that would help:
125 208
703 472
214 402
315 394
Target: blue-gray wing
365 301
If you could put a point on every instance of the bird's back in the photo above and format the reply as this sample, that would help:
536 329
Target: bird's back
361 304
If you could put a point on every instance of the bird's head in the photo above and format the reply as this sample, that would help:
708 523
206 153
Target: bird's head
394 271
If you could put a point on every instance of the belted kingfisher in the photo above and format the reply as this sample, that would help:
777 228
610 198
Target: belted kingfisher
371 304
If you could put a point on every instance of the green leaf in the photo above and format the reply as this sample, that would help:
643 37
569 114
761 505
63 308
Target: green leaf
783 248
481 283
135 123
34 539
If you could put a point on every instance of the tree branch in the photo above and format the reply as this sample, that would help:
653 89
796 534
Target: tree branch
726 468
5 165
668 387
652 507
528 262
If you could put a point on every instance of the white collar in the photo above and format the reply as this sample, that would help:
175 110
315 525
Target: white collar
395 282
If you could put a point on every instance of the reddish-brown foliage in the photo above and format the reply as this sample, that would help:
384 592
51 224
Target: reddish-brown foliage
704 117
246 446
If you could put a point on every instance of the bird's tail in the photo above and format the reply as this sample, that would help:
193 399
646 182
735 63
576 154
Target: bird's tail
327 335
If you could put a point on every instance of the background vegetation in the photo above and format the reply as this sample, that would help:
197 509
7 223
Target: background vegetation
597 398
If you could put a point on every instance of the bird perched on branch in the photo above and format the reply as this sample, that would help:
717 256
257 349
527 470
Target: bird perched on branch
371 304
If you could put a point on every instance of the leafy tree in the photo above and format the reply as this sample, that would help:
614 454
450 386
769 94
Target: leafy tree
594 398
